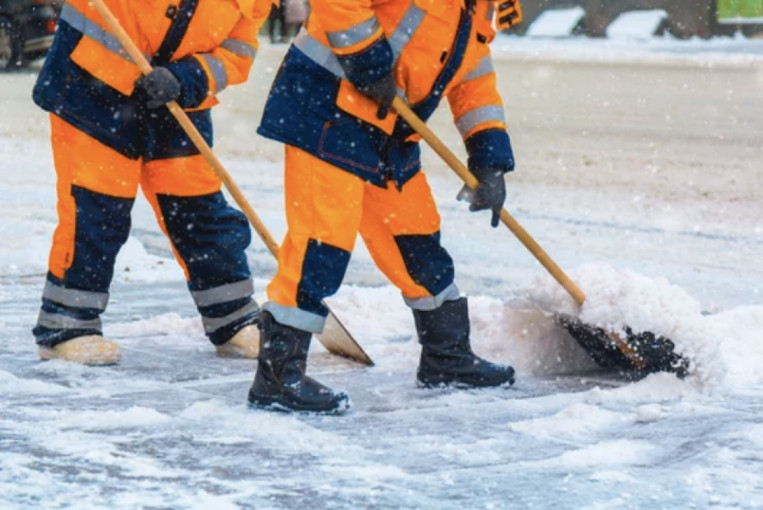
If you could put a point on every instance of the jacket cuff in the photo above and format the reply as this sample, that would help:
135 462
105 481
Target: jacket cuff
368 65
490 148
194 83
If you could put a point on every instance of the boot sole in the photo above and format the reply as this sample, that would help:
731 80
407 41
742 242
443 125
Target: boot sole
270 404
464 384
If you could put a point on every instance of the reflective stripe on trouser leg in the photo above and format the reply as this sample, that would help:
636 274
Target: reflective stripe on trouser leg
209 238
96 187
68 313
323 210
402 232
226 309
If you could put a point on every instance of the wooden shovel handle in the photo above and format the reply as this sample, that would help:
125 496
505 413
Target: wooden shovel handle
457 166
145 67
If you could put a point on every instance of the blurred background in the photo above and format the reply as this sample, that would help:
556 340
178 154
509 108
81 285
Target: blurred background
27 26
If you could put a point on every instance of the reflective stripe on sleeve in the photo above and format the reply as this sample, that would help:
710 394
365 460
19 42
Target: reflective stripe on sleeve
240 48
318 52
354 35
92 30
75 298
223 293
324 57
473 118
406 28
217 68
485 66
430 303
61 321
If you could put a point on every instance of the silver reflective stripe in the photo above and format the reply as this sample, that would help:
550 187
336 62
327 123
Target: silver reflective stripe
405 29
74 297
212 324
60 321
296 318
92 30
473 118
354 35
239 47
324 57
485 66
430 303
318 52
218 71
223 293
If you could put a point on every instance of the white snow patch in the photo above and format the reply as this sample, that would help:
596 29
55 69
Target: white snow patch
135 264
739 333
164 324
472 453
370 473
648 413
606 453
203 500
573 421
133 417
608 476
659 387
556 22
636 24
9 383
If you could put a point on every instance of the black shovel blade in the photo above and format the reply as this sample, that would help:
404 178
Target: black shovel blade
635 355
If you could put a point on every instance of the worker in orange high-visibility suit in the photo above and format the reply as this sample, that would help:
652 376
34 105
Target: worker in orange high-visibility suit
111 134
352 166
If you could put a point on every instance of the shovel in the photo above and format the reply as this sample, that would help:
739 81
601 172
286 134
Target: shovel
335 338
635 355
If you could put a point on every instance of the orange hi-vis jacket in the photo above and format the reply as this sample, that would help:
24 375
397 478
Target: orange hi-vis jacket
88 78
436 49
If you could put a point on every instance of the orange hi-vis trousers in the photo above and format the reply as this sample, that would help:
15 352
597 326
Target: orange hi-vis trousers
96 189
326 207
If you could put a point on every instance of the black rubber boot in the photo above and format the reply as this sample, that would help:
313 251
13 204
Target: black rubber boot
447 357
280 383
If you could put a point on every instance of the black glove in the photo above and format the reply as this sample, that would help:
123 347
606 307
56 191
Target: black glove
383 91
160 85
489 194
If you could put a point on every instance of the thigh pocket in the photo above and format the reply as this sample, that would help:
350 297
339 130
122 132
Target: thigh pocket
352 144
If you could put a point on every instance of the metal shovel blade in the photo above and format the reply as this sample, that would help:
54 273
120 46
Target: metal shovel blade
634 355
337 340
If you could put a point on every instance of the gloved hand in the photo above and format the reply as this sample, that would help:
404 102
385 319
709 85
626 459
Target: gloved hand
489 194
160 85
383 91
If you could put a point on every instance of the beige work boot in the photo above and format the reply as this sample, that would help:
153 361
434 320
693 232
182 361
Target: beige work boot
87 350
244 344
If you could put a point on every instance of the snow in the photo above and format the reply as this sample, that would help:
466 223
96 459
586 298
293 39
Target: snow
667 50
639 173
636 24
556 22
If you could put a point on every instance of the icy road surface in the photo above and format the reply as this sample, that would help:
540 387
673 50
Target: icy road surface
639 171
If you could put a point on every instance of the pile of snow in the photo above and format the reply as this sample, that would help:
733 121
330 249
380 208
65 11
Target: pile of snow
725 348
